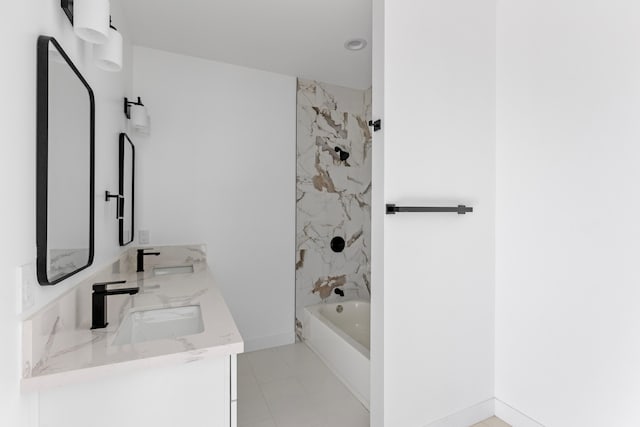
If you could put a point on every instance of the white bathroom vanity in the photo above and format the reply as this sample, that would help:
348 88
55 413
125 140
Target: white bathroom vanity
166 358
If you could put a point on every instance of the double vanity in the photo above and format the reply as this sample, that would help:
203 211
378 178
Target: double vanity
126 347
147 340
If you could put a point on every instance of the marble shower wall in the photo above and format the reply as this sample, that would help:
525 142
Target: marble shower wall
333 223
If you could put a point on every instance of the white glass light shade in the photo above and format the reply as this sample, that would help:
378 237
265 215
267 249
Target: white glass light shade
91 20
139 117
108 56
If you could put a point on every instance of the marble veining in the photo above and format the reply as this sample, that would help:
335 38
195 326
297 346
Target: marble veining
333 193
58 343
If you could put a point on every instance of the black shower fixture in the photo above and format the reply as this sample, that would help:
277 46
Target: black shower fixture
337 244
343 154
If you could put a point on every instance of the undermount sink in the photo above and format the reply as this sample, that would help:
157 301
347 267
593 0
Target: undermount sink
179 269
162 323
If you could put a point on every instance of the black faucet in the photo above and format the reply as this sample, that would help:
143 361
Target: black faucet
99 301
141 255
339 292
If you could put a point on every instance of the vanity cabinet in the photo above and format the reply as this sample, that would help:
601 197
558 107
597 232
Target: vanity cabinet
92 376
202 393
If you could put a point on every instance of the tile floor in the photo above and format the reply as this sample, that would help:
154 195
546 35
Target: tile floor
290 386
492 422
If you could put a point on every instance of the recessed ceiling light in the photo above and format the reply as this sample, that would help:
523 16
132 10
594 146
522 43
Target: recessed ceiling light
355 44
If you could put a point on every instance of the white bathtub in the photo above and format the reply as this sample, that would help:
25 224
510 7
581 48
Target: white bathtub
341 340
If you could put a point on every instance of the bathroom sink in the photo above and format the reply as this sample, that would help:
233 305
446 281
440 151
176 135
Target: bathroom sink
165 271
163 323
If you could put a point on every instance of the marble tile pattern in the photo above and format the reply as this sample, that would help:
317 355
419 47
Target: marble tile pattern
59 347
333 193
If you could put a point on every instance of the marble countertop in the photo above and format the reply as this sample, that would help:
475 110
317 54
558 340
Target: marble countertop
59 347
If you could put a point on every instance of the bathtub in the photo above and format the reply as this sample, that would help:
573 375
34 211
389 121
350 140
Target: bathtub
340 335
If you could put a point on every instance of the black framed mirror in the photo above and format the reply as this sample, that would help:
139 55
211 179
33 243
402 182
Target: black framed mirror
65 166
126 189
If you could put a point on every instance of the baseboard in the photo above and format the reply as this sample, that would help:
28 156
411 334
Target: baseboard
514 417
467 417
260 343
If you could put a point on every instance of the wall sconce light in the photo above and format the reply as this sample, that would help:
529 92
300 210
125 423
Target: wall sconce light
108 56
137 113
90 19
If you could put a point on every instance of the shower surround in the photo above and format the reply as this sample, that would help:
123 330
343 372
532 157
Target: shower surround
333 204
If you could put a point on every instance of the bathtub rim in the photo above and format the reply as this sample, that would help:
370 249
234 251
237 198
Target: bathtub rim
314 310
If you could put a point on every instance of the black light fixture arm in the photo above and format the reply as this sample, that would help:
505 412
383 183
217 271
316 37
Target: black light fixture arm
127 103
392 209
119 203
67 7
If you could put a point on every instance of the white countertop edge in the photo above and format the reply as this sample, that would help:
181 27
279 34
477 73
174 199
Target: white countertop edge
41 382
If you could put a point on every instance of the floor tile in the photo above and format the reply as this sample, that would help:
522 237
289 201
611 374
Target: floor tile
298 357
297 389
247 381
252 408
264 423
269 366
244 366
333 389
354 417
295 411
319 380
279 392
496 422
299 403
249 391
298 417
493 422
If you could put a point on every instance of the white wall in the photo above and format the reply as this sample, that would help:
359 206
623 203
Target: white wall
439 120
21 24
568 235
376 403
219 168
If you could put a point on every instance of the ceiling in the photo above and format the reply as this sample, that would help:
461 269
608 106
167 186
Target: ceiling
303 38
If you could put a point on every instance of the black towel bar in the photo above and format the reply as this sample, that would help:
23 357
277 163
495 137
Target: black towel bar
460 209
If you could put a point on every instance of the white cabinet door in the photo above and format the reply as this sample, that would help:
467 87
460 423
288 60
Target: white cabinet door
196 394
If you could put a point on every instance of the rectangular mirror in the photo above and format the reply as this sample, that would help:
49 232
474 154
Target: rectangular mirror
64 166
126 189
